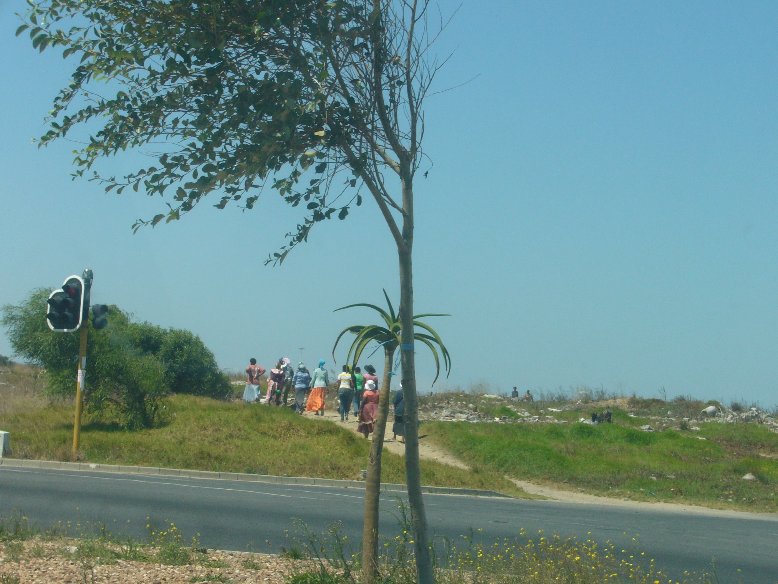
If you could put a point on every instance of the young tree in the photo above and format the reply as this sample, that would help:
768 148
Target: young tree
388 337
318 100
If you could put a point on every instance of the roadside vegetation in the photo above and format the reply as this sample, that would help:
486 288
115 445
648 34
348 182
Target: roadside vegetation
132 366
685 460
654 450
166 554
690 462
221 435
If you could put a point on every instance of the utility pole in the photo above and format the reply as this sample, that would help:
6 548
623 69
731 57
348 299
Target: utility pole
81 373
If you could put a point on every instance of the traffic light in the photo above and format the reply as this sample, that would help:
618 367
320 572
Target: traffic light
66 306
99 316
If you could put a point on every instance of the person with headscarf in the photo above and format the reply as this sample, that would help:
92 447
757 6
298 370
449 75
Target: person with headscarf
369 374
301 381
368 410
275 384
319 382
288 377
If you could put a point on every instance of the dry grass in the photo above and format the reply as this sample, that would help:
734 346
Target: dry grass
21 388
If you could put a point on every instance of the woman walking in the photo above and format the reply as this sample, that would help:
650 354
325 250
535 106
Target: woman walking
254 373
359 387
370 375
368 411
301 381
275 384
345 393
319 383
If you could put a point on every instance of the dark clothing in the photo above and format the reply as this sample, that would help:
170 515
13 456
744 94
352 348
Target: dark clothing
345 397
398 428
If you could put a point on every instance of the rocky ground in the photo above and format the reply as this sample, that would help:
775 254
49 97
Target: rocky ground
459 407
63 561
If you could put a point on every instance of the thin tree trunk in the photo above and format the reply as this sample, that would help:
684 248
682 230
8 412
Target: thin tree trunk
424 569
373 479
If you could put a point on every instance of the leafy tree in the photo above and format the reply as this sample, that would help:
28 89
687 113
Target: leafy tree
318 100
387 336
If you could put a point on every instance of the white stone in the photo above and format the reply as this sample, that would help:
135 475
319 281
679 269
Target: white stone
748 477
5 444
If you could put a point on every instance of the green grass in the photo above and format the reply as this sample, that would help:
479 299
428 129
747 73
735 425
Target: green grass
702 467
213 435
623 461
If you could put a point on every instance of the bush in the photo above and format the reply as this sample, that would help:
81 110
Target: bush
190 366
130 366
130 389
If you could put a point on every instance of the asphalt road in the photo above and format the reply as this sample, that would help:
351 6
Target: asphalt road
253 516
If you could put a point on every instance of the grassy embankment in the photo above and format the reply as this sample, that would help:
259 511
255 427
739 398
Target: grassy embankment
236 437
211 435
679 464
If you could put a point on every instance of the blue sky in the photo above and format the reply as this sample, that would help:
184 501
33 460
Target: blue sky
600 211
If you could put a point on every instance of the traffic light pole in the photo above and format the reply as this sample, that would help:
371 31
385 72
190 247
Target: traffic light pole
79 389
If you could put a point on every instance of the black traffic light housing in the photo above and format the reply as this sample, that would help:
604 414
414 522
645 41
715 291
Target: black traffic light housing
66 306
99 316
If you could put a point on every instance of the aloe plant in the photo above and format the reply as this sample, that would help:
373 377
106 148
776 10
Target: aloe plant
388 336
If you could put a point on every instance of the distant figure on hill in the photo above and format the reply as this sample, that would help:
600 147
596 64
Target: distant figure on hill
345 393
359 387
254 373
319 382
301 382
528 396
515 393
369 409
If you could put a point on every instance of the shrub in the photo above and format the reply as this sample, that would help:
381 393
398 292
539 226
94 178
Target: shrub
131 366
190 366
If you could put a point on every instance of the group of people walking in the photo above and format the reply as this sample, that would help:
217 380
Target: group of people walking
357 392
